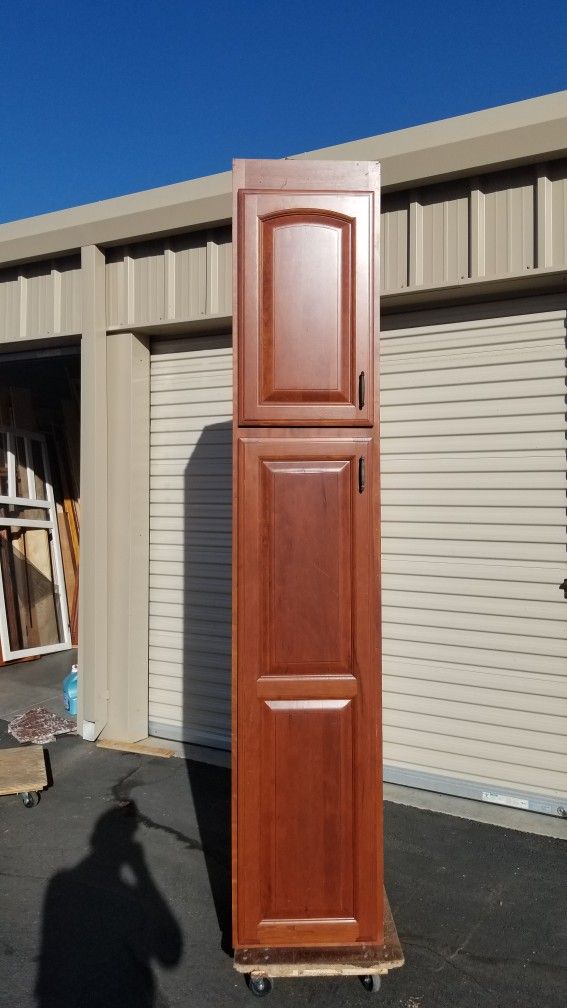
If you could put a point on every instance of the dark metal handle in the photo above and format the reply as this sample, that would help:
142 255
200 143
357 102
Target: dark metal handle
361 389
563 587
361 475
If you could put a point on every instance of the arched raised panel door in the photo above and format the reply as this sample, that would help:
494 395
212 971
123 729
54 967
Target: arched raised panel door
307 352
306 318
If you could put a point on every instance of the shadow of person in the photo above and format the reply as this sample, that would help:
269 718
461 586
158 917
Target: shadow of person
210 790
104 923
207 614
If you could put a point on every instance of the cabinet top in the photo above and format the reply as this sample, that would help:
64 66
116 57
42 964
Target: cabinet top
289 173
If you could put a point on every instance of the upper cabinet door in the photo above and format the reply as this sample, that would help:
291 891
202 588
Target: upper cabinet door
306 278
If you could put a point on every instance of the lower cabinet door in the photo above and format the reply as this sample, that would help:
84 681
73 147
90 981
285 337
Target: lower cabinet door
308 803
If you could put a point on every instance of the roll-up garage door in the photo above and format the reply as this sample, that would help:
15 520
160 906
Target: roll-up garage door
190 533
474 553
474 549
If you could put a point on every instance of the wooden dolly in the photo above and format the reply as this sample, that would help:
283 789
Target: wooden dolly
22 771
369 962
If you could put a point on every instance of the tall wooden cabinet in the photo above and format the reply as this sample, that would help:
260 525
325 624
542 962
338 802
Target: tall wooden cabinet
307 774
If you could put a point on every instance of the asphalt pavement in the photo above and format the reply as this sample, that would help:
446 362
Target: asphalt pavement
114 891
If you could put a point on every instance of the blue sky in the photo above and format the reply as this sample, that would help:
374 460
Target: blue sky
105 97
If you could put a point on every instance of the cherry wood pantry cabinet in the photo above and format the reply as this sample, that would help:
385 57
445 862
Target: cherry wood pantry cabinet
307 777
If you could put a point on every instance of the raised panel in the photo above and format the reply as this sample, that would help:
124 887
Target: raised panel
307 347
307 845
307 565
309 532
306 322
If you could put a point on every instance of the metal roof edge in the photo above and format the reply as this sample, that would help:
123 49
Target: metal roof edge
180 207
472 125
530 131
527 131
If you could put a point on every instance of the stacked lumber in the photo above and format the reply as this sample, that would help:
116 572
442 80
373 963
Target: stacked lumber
62 428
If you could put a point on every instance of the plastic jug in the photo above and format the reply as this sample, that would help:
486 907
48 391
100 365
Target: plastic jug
70 690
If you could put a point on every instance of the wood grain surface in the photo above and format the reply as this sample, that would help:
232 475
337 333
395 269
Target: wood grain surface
307 802
351 960
22 769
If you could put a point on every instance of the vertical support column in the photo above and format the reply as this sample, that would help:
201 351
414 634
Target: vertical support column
169 280
212 303
477 232
544 232
93 584
56 288
128 365
129 280
23 312
415 250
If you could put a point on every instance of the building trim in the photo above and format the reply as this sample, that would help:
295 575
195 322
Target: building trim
486 792
93 583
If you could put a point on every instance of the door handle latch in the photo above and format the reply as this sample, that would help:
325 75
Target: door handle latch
361 389
563 587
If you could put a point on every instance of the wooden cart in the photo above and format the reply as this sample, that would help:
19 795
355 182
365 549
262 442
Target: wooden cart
368 962
22 772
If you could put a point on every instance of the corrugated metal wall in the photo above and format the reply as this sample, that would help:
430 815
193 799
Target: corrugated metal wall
170 280
190 539
473 548
506 224
41 299
499 225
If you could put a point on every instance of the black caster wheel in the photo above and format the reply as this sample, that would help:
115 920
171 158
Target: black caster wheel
260 986
371 982
30 798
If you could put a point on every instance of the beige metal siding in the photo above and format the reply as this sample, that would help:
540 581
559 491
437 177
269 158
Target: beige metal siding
509 232
444 247
41 299
557 186
499 225
394 238
506 224
177 279
190 540
474 550
192 259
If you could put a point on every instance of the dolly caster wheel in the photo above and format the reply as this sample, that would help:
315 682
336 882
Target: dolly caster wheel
371 982
30 798
259 984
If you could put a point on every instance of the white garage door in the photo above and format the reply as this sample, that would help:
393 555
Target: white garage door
474 551
190 533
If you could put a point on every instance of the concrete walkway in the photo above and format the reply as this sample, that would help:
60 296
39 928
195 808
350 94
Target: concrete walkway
109 903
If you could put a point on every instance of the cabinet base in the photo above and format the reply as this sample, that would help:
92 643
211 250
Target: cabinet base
351 960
